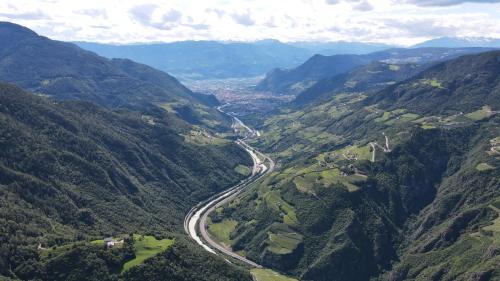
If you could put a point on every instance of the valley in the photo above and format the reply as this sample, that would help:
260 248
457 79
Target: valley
258 160
240 95
195 223
326 159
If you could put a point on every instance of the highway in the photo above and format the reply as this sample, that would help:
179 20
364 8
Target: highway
195 221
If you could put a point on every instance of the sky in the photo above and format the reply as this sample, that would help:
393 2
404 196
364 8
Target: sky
398 22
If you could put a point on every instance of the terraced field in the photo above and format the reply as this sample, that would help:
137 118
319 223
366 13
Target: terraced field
284 242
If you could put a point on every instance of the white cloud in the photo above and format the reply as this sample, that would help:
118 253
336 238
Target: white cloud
125 21
25 15
447 2
243 18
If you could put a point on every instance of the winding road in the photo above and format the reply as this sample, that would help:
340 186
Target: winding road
195 222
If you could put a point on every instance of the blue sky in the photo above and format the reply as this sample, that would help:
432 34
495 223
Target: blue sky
402 22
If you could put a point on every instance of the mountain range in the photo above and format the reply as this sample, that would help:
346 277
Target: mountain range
216 60
102 148
219 60
368 78
387 164
294 81
460 42
64 71
399 183
207 59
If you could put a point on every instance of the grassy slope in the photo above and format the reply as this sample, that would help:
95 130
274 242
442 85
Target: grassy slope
222 230
268 275
184 261
146 247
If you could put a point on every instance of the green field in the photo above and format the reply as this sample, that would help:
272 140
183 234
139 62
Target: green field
394 67
146 247
477 115
202 138
431 82
243 170
427 126
495 226
353 151
223 230
484 167
390 114
268 275
304 183
274 200
283 243
409 116
55 251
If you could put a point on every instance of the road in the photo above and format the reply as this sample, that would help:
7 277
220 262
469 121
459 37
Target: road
195 222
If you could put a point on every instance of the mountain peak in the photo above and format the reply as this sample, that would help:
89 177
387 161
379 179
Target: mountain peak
460 42
9 28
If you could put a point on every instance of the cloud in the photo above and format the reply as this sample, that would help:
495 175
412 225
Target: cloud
169 20
363 6
389 21
172 16
199 26
357 5
143 13
93 13
101 27
243 19
35 15
446 2
220 13
271 22
423 27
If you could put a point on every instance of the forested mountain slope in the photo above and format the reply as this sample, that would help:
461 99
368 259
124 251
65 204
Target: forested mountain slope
64 71
368 78
462 84
74 171
315 68
401 184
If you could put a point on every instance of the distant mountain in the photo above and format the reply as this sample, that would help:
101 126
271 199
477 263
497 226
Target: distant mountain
293 81
65 71
316 68
368 78
464 84
460 42
342 47
208 59
211 59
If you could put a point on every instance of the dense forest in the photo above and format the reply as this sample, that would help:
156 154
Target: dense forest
74 171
